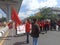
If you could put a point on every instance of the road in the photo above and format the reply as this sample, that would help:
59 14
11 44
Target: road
51 38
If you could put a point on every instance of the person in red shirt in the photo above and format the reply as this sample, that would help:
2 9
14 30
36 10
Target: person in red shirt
10 24
27 29
47 24
40 25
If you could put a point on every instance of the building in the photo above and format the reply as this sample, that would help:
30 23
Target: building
56 10
6 6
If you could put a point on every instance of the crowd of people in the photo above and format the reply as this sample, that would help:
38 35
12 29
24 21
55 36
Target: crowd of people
38 26
35 27
46 25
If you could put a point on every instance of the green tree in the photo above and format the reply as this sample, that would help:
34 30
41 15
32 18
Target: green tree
47 13
3 19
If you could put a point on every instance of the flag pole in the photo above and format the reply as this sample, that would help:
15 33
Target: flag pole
15 18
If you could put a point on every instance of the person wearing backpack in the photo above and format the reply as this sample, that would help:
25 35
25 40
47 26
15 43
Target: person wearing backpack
35 32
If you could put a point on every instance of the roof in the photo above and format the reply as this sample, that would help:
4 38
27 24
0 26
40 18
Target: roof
6 3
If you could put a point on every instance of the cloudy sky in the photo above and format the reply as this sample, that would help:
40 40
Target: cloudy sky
30 7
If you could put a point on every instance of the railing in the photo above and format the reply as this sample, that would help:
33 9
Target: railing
3 30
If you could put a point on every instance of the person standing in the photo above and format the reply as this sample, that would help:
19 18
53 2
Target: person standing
27 29
35 32
10 26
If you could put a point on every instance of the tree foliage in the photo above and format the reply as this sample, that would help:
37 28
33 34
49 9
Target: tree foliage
45 13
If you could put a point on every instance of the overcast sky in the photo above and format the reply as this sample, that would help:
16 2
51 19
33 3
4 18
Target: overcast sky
29 7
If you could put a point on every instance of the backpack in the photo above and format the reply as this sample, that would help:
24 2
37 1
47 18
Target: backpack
35 30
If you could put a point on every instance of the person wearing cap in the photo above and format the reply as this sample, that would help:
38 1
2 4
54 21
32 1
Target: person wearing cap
11 27
10 24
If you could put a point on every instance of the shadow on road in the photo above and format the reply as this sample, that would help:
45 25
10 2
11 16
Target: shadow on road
17 35
20 43
4 38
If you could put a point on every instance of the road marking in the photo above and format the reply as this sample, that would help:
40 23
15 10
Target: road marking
1 43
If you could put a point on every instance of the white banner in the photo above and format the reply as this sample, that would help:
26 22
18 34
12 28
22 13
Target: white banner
21 29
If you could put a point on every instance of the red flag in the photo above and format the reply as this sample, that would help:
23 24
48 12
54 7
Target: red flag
14 17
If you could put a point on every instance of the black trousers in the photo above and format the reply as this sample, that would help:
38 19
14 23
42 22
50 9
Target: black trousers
40 28
27 40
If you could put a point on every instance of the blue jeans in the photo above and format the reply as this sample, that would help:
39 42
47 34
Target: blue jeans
35 41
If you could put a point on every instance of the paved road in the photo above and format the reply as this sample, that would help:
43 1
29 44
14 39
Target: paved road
51 38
